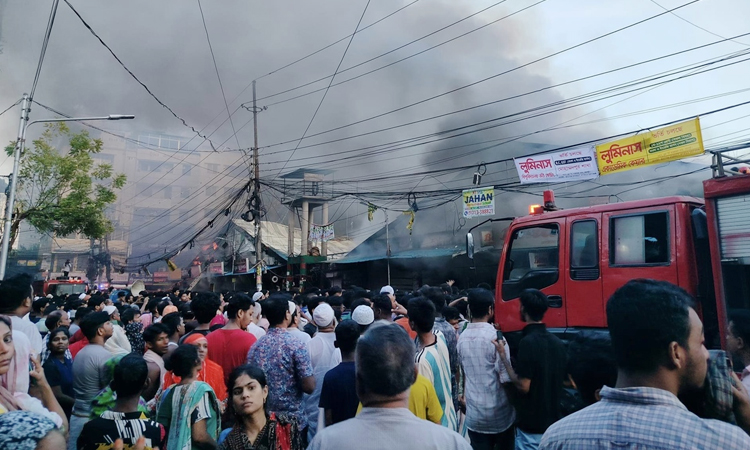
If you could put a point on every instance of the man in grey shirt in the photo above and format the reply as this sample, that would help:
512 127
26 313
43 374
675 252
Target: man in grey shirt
385 372
89 373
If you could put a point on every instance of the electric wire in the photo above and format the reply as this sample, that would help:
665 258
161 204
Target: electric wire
514 116
513 97
559 52
190 200
11 106
210 224
698 26
132 75
45 42
448 191
332 44
346 50
388 53
381 176
377 69
216 67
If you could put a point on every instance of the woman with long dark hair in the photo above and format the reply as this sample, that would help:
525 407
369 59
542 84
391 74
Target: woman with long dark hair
253 427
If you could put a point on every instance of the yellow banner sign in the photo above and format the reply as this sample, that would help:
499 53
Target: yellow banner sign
661 145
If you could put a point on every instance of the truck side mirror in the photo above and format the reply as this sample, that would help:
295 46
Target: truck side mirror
470 245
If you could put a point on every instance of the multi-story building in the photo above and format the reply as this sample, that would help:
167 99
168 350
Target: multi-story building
172 185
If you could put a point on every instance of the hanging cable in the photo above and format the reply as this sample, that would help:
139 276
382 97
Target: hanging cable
329 85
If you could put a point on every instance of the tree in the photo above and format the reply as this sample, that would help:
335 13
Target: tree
61 192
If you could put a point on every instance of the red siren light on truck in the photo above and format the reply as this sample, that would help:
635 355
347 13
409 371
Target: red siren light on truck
549 204
549 200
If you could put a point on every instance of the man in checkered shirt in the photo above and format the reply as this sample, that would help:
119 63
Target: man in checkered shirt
489 413
658 344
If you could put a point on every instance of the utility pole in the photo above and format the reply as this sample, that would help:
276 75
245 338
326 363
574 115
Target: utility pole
387 247
256 194
10 200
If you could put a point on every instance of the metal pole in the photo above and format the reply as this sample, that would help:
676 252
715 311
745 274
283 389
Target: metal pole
387 248
13 181
258 241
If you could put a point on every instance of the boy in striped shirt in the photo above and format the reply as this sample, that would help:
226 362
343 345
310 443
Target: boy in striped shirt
432 356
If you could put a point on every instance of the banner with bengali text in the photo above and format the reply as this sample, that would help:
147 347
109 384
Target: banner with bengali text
323 233
670 143
569 165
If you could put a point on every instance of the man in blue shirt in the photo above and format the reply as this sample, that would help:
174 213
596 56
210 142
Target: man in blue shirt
658 344
338 398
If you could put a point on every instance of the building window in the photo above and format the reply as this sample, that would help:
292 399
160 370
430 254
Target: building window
158 141
185 192
186 169
640 240
211 190
212 167
104 158
170 143
148 165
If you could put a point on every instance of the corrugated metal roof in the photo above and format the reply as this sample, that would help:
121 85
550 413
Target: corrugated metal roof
408 254
276 237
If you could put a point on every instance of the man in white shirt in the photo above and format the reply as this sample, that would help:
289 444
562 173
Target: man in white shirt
253 327
293 327
324 356
489 414
16 295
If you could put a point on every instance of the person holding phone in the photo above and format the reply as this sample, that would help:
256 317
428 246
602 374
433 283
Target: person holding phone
539 372
489 413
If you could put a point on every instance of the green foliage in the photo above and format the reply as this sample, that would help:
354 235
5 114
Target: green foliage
65 192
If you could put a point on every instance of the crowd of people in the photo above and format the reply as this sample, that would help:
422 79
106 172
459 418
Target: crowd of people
361 369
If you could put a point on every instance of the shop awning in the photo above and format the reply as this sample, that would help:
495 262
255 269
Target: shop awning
408 254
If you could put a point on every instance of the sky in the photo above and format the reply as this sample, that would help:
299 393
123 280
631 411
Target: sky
164 43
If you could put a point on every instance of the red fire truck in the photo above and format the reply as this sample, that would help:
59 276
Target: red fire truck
59 286
579 257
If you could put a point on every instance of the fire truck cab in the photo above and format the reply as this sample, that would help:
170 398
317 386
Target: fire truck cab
579 257
59 286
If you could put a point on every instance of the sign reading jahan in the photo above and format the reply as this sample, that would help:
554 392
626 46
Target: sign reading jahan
479 202
670 143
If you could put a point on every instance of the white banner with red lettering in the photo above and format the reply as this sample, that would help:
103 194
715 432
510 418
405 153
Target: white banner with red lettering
569 165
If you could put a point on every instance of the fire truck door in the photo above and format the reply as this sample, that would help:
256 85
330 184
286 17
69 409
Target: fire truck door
583 284
533 260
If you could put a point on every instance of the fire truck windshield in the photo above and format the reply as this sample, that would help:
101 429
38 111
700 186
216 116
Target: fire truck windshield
67 289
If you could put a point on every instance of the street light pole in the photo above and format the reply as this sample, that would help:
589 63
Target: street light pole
18 151
9 202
